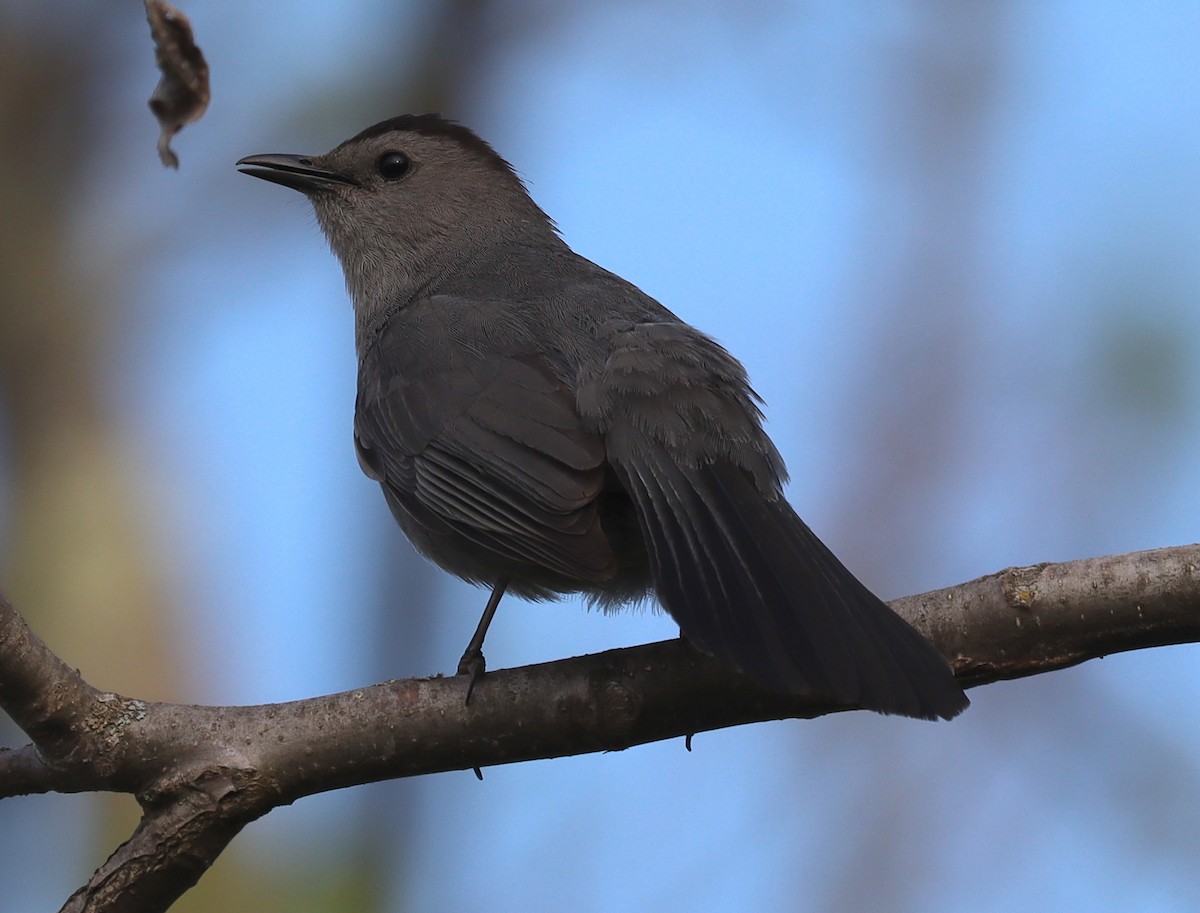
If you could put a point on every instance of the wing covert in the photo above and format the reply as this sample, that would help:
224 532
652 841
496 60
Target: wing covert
495 450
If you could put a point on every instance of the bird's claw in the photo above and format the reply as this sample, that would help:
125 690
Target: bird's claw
474 665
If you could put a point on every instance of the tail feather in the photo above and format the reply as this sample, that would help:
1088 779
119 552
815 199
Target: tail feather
750 583
788 581
863 649
688 558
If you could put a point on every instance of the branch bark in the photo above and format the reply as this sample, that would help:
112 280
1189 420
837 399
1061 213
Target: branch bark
202 773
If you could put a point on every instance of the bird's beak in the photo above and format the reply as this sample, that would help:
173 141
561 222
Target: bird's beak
295 171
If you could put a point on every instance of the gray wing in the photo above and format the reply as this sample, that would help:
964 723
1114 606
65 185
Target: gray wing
489 447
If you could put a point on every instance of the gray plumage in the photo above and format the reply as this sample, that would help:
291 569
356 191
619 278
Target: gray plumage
536 420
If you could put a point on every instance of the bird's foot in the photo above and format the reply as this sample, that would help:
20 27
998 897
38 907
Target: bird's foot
472 664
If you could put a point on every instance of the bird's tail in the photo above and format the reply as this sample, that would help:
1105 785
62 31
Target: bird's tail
749 583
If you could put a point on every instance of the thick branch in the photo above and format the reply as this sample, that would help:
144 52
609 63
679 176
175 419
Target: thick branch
202 773
1026 620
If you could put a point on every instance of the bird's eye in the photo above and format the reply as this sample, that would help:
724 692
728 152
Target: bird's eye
393 165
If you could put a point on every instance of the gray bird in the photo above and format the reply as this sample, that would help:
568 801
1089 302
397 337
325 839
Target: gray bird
540 425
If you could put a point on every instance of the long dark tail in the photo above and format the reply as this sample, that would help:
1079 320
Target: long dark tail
749 583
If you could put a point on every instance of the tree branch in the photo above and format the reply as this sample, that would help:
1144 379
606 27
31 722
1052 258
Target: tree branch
44 696
202 773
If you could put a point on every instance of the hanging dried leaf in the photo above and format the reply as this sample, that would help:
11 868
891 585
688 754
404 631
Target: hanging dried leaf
182 94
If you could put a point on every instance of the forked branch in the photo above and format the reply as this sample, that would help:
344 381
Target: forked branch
202 773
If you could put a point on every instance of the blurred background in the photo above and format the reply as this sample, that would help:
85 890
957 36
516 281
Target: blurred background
958 248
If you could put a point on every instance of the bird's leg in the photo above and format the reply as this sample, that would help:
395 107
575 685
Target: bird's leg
472 662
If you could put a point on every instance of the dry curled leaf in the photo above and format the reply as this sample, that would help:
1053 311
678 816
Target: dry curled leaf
182 94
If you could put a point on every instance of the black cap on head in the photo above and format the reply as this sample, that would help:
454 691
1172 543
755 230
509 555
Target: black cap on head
434 125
